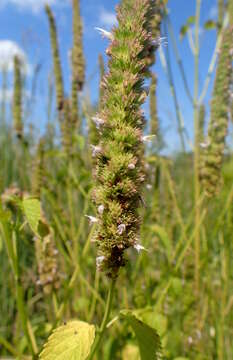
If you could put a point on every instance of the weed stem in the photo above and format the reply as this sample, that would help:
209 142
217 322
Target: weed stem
105 319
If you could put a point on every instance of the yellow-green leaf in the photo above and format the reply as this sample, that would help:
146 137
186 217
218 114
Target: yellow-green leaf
147 337
71 341
32 211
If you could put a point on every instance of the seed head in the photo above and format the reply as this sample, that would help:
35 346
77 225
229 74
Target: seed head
120 119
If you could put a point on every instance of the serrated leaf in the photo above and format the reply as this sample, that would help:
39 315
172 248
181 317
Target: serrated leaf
32 211
210 25
147 337
155 320
72 341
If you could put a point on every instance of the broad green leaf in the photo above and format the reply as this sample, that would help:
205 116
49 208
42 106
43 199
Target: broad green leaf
210 25
71 341
147 337
155 320
32 211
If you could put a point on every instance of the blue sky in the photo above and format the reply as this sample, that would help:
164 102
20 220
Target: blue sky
24 23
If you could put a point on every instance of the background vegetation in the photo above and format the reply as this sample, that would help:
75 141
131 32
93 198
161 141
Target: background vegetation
181 285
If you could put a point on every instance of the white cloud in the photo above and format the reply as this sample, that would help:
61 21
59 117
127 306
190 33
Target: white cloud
107 18
32 5
8 50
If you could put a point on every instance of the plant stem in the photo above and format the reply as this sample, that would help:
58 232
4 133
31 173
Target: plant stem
166 63
178 58
197 152
105 319
224 279
11 244
213 61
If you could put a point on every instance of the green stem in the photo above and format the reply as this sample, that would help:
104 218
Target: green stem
11 244
9 347
104 321
178 58
94 298
166 63
70 197
225 289
213 61
197 151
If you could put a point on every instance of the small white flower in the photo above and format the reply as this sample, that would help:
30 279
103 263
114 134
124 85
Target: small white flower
205 145
99 261
131 166
212 332
92 219
159 41
105 34
96 150
149 186
121 228
190 340
142 178
101 209
147 138
98 121
139 248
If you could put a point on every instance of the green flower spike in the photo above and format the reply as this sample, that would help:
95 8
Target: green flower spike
154 122
39 169
119 169
56 59
217 130
78 60
17 99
